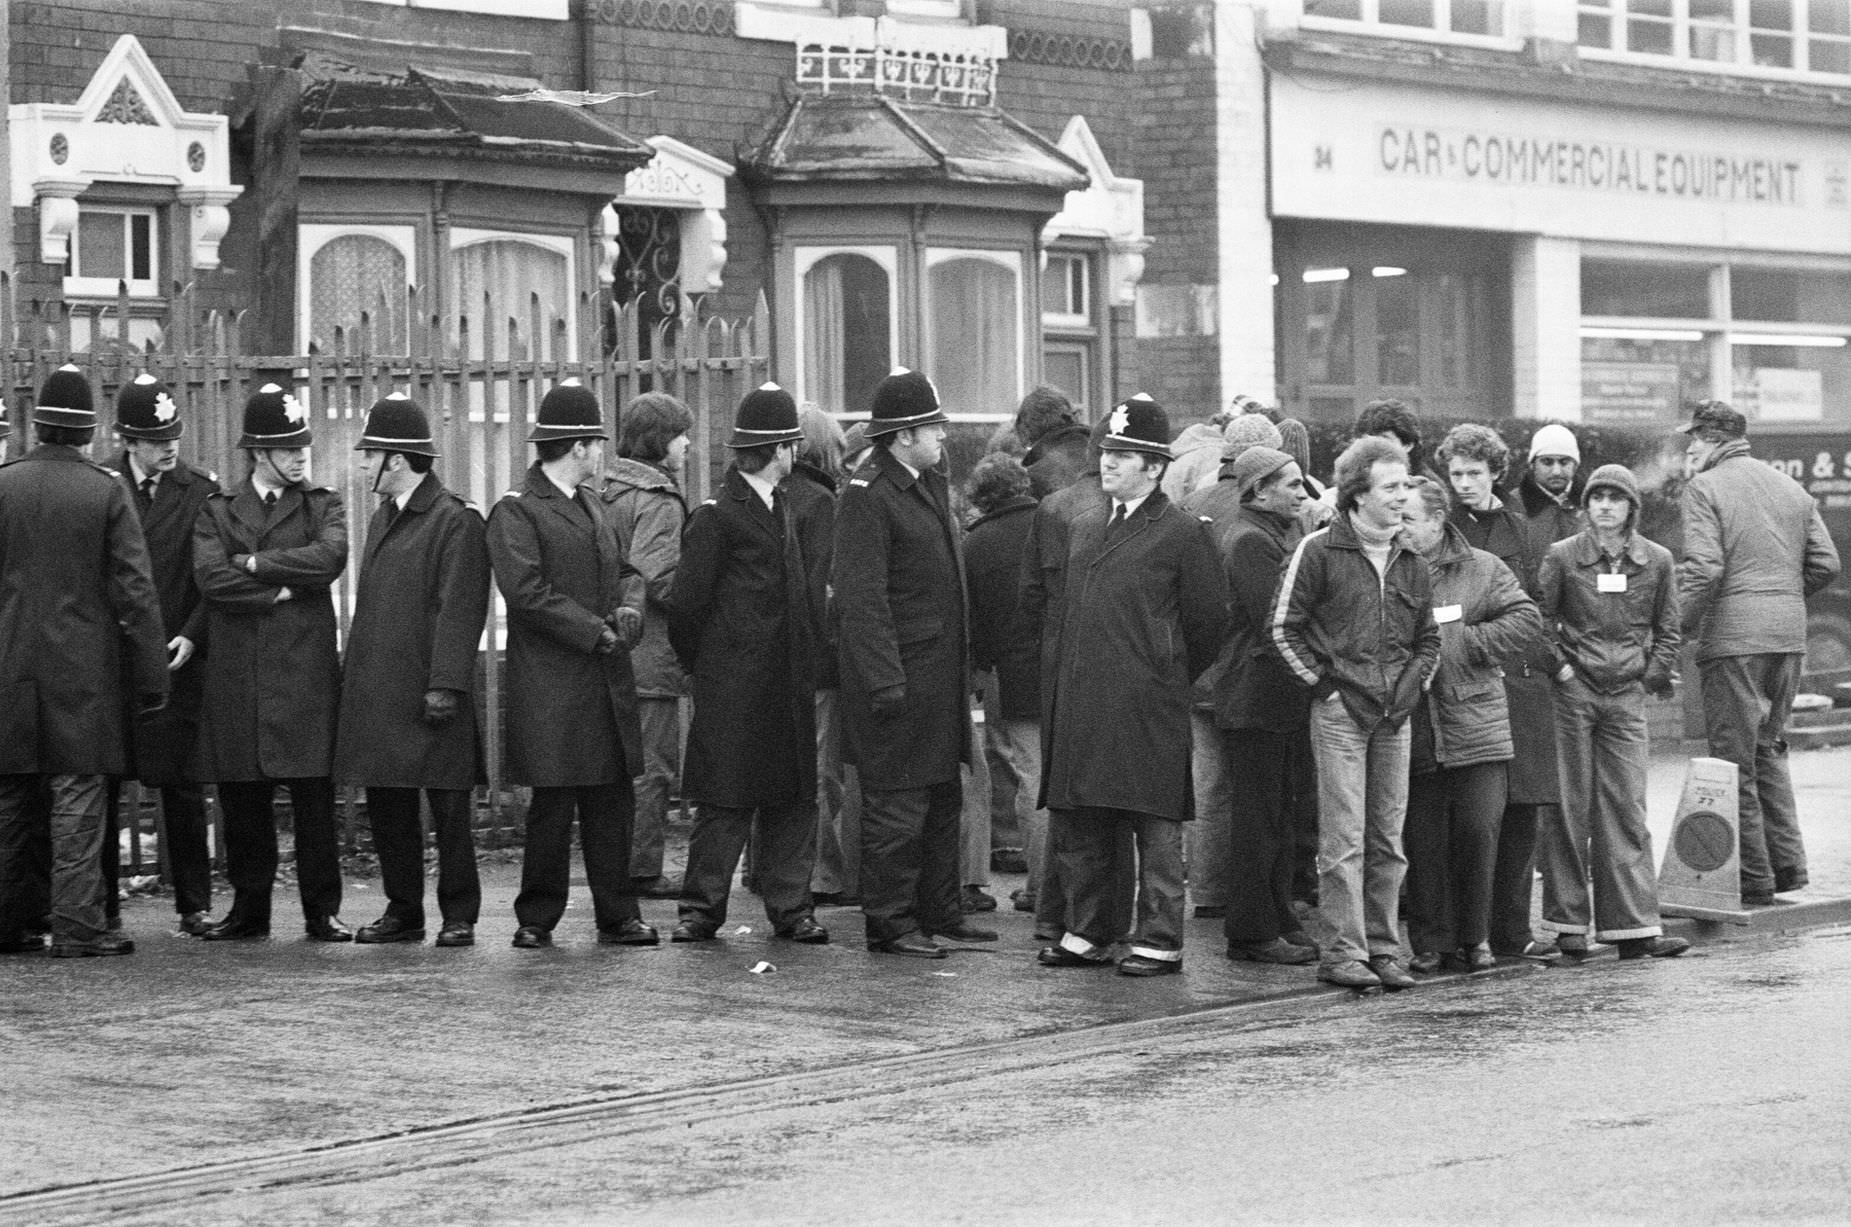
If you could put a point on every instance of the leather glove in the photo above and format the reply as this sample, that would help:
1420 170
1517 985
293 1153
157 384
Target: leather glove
150 702
1660 685
441 706
607 641
888 698
628 623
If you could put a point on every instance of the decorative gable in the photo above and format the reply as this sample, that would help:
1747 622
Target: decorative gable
681 177
126 127
1110 207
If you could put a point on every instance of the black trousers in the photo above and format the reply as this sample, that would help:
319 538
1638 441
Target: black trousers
183 840
398 839
783 859
909 860
1304 807
605 813
251 853
1513 878
1262 836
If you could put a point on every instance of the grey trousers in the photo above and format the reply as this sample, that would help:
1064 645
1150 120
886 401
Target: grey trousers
76 822
1085 845
1362 802
1747 701
661 720
786 852
1597 837
1207 841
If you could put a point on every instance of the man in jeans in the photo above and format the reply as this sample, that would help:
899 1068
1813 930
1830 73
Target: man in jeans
1353 622
1755 548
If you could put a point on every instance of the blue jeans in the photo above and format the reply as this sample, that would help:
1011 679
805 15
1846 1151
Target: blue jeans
1362 802
1206 843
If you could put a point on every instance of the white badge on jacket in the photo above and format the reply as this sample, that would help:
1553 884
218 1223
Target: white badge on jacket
1448 613
1608 581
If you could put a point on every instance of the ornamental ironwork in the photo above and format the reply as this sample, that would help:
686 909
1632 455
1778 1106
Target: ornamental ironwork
915 74
647 270
126 107
1067 51
683 16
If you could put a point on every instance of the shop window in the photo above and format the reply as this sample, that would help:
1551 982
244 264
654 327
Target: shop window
1638 288
973 329
1791 382
1789 296
1329 326
845 326
1397 331
111 246
1485 18
356 271
496 279
1779 35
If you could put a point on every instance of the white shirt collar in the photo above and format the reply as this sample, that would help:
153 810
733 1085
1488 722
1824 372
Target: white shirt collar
909 468
1133 504
568 491
764 489
263 487
136 472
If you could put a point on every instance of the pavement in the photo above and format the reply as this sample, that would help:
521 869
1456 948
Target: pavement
188 1053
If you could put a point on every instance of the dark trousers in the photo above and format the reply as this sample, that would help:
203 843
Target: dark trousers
1747 701
1051 915
784 858
1304 805
1262 834
604 812
66 813
1513 879
1450 838
1084 844
909 860
250 845
398 839
183 839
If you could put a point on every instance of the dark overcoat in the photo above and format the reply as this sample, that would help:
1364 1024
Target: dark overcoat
1044 570
899 609
743 618
993 550
272 675
80 624
813 508
571 712
1253 689
163 743
419 607
1140 616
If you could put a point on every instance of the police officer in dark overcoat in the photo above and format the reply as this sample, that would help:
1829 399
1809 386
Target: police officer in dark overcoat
575 608
168 493
899 602
408 684
266 554
80 631
744 617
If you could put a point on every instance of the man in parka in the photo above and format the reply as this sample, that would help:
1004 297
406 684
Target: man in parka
745 612
575 608
266 555
1142 614
408 711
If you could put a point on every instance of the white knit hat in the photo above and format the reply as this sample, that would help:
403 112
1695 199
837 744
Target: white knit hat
1555 440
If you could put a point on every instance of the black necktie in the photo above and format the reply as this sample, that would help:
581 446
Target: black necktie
1118 520
391 510
147 488
269 498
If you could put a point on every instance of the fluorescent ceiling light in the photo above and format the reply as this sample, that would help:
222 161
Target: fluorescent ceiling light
1641 334
1327 274
1812 341
1387 270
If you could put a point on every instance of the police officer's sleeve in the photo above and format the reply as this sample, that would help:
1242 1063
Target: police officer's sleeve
462 604
1204 600
514 556
317 564
220 583
690 594
132 598
869 645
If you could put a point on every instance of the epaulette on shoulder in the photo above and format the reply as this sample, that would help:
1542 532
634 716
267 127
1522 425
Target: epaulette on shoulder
712 502
221 492
105 469
513 493
1206 519
210 475
859 480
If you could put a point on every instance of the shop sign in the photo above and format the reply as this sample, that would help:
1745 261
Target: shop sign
1629 393
1780 394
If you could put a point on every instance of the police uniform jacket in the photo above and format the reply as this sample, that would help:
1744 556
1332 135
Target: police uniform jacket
163 743
571 712
743 615
80 623
646 506
419 608
272 674
899 610
1142 613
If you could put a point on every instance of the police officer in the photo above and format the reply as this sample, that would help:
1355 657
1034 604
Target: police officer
267 554
408 712
79 624
745 612
575 608
168 493
899 596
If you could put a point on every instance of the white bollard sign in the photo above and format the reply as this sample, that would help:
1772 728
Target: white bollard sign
1700 875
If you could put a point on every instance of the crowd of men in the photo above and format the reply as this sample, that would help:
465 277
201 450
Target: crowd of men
1395 697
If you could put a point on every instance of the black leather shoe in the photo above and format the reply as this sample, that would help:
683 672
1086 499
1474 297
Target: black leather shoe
1278 950
660 887
457 933
532 937
195 924
693 931
236 928
1788 880
1653 947
913 945
973 899
629 933
330 929
23 945
1391 973
1454 960
389 928
1060 956
1480 960
101 944
1427 963
808 932
964 931
1144 965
